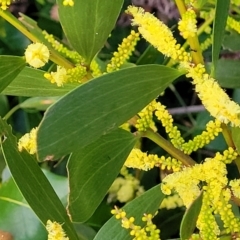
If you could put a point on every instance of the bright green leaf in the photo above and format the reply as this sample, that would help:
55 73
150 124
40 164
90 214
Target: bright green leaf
88 24
32 183
219 25
99 107
30 82
10 67
16 216
149 202
190 217
99 162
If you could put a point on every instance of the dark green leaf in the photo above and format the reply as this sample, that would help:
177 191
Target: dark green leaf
96 166
32 183
228 73
219 25
10 67
98 107
149 202
30 82
88 24
190 218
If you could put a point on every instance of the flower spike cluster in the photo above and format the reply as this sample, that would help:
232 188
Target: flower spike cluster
220 106
145 119
140 160
124 51
149 232
158 34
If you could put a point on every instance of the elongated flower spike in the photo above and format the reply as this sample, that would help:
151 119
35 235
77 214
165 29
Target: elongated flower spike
158 34
124 52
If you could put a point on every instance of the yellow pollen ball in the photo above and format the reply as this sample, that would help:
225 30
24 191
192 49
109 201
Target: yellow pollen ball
37 55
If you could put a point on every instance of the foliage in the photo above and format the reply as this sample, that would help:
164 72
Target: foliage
91 145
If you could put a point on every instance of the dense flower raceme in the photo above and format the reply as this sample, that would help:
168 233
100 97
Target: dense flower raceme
212 175
55 231
123 52
160 36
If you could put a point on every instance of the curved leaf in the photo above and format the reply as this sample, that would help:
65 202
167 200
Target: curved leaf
98 107
96 166
10 67
148 202
190 217
88 24
32 183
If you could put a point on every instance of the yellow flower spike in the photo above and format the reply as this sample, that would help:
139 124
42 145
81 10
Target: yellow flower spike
206 222
145 119
28 142
188 24
158 34
55 231
235 187
68 3
213 128
233 24
73 55
4 4
124 52
95 69
167 121
206 44
37 55
220 107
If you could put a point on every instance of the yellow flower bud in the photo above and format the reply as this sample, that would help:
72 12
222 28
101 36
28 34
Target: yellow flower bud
37 55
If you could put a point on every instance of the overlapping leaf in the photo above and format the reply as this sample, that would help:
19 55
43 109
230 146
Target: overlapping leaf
93 169
98 107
